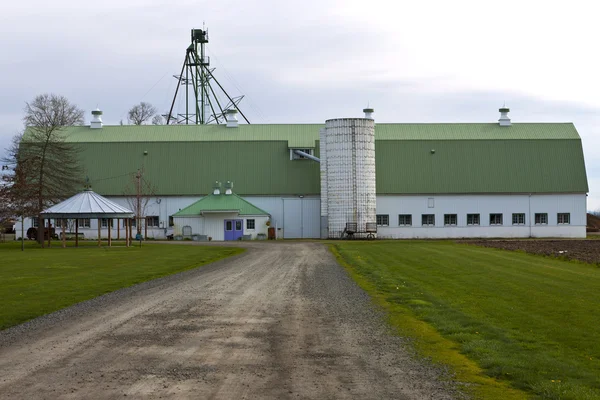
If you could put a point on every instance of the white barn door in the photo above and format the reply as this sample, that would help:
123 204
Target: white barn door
301 218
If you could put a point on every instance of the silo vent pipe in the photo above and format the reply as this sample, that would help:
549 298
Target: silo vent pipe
309 156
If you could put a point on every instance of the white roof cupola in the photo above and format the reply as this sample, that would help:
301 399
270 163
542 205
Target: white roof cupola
231 118
504 120
217 188
96 119
368 112
228 188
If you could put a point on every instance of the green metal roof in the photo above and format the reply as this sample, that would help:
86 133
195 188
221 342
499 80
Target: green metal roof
305 135
221 203
468 158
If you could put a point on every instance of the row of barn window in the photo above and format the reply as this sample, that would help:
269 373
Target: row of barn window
473 219
151 222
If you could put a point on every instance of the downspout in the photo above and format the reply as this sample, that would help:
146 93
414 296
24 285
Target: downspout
309 156
529 217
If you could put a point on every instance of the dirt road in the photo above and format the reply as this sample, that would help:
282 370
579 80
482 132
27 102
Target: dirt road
281 321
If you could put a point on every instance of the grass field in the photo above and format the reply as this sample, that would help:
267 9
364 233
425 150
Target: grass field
530 321
39 281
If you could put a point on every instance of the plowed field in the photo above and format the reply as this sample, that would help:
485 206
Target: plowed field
582 250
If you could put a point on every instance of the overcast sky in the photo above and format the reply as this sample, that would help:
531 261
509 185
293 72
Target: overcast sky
309 60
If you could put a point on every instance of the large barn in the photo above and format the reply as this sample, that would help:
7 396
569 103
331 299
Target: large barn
436 180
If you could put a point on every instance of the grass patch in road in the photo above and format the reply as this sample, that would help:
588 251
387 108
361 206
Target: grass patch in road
39 281
525 320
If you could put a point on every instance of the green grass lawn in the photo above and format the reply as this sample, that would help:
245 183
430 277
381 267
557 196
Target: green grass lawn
39 281
529 321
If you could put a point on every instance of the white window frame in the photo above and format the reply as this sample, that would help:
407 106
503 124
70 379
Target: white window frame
448 219
494 219
104 222
382 219
560 218
35 222
248 224
404 219
518 219
84 223
151 219
427 219
541 218
472 218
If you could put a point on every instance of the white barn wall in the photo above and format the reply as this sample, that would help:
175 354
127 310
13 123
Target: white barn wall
416 205
483 204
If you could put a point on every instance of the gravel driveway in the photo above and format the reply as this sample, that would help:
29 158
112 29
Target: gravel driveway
281 321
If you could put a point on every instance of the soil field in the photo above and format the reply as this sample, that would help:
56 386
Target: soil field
582 250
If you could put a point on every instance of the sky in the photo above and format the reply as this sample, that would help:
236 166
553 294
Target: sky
312 60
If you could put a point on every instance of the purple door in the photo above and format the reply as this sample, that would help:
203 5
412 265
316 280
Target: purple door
234 229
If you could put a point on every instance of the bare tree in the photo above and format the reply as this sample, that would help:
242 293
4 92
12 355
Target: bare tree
141 113
47 167
143 191
17 192
158 120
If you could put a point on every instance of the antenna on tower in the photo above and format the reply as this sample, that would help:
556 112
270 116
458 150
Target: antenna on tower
197 77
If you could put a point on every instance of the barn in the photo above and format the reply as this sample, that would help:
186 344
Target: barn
412 180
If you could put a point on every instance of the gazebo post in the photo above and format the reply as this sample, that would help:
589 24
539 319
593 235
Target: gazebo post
130 233
49 231
76 232
109 229
118 229
64 235
99 236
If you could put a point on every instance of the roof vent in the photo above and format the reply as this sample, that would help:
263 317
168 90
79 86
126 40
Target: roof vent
229 187
217 188
96 119
231 118
504 120
368 113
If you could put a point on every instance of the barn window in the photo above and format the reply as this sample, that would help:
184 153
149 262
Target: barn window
250 224
472 219
294 156
171 222
84 223
450 219
35 222
383 220
495 219
518 219
563 218
541 219
404 220
428 220
104 222
152 220
131 223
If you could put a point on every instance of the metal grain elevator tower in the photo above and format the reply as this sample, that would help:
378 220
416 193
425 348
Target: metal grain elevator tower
202 104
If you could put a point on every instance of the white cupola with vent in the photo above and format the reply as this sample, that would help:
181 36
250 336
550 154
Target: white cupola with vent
96 119
231 118
504 120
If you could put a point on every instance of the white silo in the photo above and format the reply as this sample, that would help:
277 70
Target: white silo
350 174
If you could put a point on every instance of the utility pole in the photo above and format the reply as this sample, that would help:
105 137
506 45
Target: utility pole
138 208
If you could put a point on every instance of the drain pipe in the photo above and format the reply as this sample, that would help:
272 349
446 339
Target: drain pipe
309 156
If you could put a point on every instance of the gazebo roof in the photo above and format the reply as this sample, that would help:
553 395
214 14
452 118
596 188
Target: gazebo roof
87 204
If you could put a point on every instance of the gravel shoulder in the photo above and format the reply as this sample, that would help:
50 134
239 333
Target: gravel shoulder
280 321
